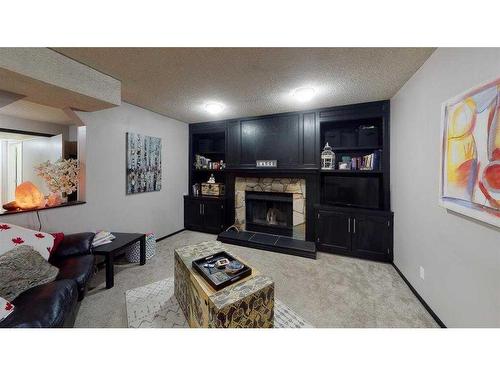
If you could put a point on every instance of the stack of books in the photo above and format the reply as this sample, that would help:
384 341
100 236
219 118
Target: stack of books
369 162
102 238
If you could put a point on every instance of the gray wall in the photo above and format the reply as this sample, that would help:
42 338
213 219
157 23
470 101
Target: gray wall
461 257
107 205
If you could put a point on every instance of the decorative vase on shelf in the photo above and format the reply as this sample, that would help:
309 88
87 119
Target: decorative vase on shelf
54 199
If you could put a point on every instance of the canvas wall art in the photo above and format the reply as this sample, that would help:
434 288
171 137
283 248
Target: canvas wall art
470 162
143 163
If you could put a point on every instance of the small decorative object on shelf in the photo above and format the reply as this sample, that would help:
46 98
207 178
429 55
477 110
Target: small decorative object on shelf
215 189
203 163
346 163
266 163
211 180
196 189
327 158
28 196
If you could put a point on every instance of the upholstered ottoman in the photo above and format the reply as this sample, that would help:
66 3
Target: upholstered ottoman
248 303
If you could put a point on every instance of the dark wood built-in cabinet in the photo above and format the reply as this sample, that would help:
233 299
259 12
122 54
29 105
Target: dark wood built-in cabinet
354 217
291 139
204 214
360 233
347 211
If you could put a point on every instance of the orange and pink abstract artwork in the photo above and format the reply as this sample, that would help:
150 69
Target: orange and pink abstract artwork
470 162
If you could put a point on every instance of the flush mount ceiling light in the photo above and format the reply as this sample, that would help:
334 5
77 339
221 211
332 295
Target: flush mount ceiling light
304 94
214 108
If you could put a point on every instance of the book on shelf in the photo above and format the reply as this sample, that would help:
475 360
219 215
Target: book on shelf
370 162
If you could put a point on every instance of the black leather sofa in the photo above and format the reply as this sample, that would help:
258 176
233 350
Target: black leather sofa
55 304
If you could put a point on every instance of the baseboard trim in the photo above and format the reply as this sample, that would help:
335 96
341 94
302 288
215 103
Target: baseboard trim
419 297
170 235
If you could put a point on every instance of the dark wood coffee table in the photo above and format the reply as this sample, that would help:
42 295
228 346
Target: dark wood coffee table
118 245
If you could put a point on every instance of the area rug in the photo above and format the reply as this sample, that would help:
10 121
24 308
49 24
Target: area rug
154 306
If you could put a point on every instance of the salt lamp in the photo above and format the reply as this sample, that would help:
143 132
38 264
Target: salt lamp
11 206
28 196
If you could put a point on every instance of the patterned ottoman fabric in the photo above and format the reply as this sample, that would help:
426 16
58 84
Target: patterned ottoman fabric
247 303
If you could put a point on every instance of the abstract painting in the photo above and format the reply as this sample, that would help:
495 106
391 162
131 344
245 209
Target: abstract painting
470 154
143 163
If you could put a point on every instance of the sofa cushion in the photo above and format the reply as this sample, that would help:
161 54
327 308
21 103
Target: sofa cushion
13 235
44 306
72 245
23 268
79 268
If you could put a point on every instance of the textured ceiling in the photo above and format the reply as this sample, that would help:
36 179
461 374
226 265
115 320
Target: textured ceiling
178 82
33 111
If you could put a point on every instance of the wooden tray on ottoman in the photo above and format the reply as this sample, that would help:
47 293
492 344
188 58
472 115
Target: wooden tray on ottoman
248 303
210 274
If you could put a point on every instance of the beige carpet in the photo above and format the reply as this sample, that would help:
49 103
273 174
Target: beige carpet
331 291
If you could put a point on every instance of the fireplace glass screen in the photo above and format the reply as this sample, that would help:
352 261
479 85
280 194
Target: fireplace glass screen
269 212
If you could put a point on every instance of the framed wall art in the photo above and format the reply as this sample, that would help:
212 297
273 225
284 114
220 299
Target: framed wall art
470 153
143 163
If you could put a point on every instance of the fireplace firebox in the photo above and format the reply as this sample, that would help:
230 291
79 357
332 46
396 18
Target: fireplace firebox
269 212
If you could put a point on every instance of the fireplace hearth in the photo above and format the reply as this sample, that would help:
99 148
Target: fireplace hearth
269 212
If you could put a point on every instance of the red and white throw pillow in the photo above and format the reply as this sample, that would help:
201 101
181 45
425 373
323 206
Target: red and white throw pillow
58 238
6 308
13 235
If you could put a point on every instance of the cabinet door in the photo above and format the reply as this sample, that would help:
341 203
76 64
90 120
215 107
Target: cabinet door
333 231
276 137
371 237
213 213
193 218
233 144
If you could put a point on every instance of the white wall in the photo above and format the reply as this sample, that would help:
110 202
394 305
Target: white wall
108 207
461 256
36 151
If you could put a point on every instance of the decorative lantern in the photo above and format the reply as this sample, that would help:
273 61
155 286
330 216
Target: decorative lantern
28 196
327 158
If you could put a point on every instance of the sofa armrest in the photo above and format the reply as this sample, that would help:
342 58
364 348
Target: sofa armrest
74 245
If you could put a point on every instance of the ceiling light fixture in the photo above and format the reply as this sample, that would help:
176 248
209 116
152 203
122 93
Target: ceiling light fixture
214 108
304 94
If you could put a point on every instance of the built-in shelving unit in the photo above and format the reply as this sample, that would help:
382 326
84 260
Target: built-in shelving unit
353 217
349 171
347 211
206 213
211 144
356 136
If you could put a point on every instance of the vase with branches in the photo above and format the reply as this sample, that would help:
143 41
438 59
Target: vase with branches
60 176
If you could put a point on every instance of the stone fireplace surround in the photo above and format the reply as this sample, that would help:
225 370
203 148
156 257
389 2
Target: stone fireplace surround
295 186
